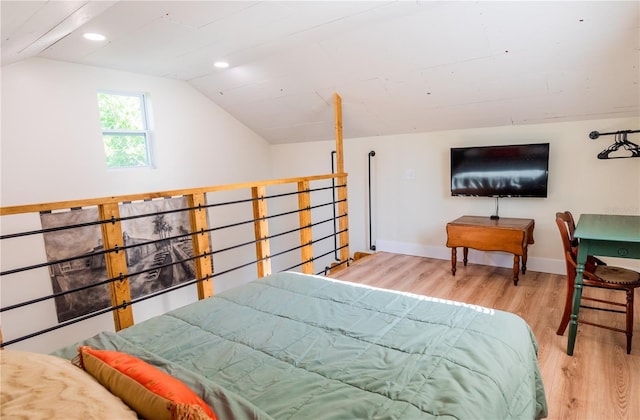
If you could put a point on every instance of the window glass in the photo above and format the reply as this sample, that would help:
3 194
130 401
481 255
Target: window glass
124 129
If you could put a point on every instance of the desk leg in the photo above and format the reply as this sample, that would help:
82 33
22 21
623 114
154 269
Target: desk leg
454 258
516 268
465 255
577 295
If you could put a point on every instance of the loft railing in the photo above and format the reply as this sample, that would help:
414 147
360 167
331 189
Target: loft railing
288 224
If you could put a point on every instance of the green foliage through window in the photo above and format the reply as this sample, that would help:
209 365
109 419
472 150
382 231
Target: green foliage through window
124 130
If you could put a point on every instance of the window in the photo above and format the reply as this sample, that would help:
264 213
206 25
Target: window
123 118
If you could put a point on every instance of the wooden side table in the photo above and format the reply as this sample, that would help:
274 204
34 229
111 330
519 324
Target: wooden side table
485 234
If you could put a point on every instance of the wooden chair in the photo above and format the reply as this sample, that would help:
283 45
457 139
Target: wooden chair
599 275
571 226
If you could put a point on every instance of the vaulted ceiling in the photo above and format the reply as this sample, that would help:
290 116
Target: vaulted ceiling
400 67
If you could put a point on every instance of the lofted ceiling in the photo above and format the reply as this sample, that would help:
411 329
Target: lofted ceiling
400 67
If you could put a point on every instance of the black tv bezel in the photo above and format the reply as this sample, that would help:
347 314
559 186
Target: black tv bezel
497 195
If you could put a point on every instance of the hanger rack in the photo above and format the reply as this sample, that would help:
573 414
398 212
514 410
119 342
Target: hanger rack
620 142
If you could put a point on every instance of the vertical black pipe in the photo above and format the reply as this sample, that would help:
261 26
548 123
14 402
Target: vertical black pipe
371 245
333 192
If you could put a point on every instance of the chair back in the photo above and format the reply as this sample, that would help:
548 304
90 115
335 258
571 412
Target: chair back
566 226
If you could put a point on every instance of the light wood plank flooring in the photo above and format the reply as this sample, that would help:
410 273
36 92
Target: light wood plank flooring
600 381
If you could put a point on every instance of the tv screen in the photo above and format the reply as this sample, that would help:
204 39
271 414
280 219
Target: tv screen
520 170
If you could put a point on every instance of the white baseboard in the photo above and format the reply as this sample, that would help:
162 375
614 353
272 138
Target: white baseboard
495 259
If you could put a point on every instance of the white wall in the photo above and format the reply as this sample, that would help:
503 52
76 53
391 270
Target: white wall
52 144
52 151
411 194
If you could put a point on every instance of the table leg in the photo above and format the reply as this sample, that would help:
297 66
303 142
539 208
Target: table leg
465 254
516 268
524 260
454 257
577 295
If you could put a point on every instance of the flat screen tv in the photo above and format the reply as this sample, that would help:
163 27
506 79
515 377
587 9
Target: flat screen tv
519 170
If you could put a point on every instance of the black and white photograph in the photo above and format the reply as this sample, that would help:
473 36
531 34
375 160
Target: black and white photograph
152 243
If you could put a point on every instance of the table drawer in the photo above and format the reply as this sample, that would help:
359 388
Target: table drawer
486 238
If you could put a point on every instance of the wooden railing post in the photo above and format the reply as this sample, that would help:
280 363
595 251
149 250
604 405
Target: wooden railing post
343 207
337 111
116 263
261 228
201 245
306 234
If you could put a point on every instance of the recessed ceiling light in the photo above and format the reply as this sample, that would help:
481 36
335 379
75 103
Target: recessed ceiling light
221 64
94 37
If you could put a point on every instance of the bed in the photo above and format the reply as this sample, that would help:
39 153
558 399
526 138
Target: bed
297 346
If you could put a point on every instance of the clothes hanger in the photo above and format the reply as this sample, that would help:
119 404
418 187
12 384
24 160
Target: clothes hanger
620 142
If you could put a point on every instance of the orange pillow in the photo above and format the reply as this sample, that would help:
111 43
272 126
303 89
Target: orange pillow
152 393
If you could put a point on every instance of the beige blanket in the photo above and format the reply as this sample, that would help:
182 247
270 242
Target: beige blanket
38 386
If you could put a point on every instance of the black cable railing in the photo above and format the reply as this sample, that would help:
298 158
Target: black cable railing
146 243
163 212
179 237
129 275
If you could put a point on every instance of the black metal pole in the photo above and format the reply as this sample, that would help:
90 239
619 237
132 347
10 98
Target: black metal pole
595 134
371 245
333 192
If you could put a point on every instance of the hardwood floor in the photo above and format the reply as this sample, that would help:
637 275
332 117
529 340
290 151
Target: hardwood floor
600 381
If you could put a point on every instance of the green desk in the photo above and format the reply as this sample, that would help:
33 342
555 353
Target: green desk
602 235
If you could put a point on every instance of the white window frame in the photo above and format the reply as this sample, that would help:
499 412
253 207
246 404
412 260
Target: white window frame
145 132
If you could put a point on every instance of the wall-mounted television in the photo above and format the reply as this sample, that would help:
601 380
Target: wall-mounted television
519 170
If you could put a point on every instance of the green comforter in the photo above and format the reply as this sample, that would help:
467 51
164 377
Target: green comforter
293 346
